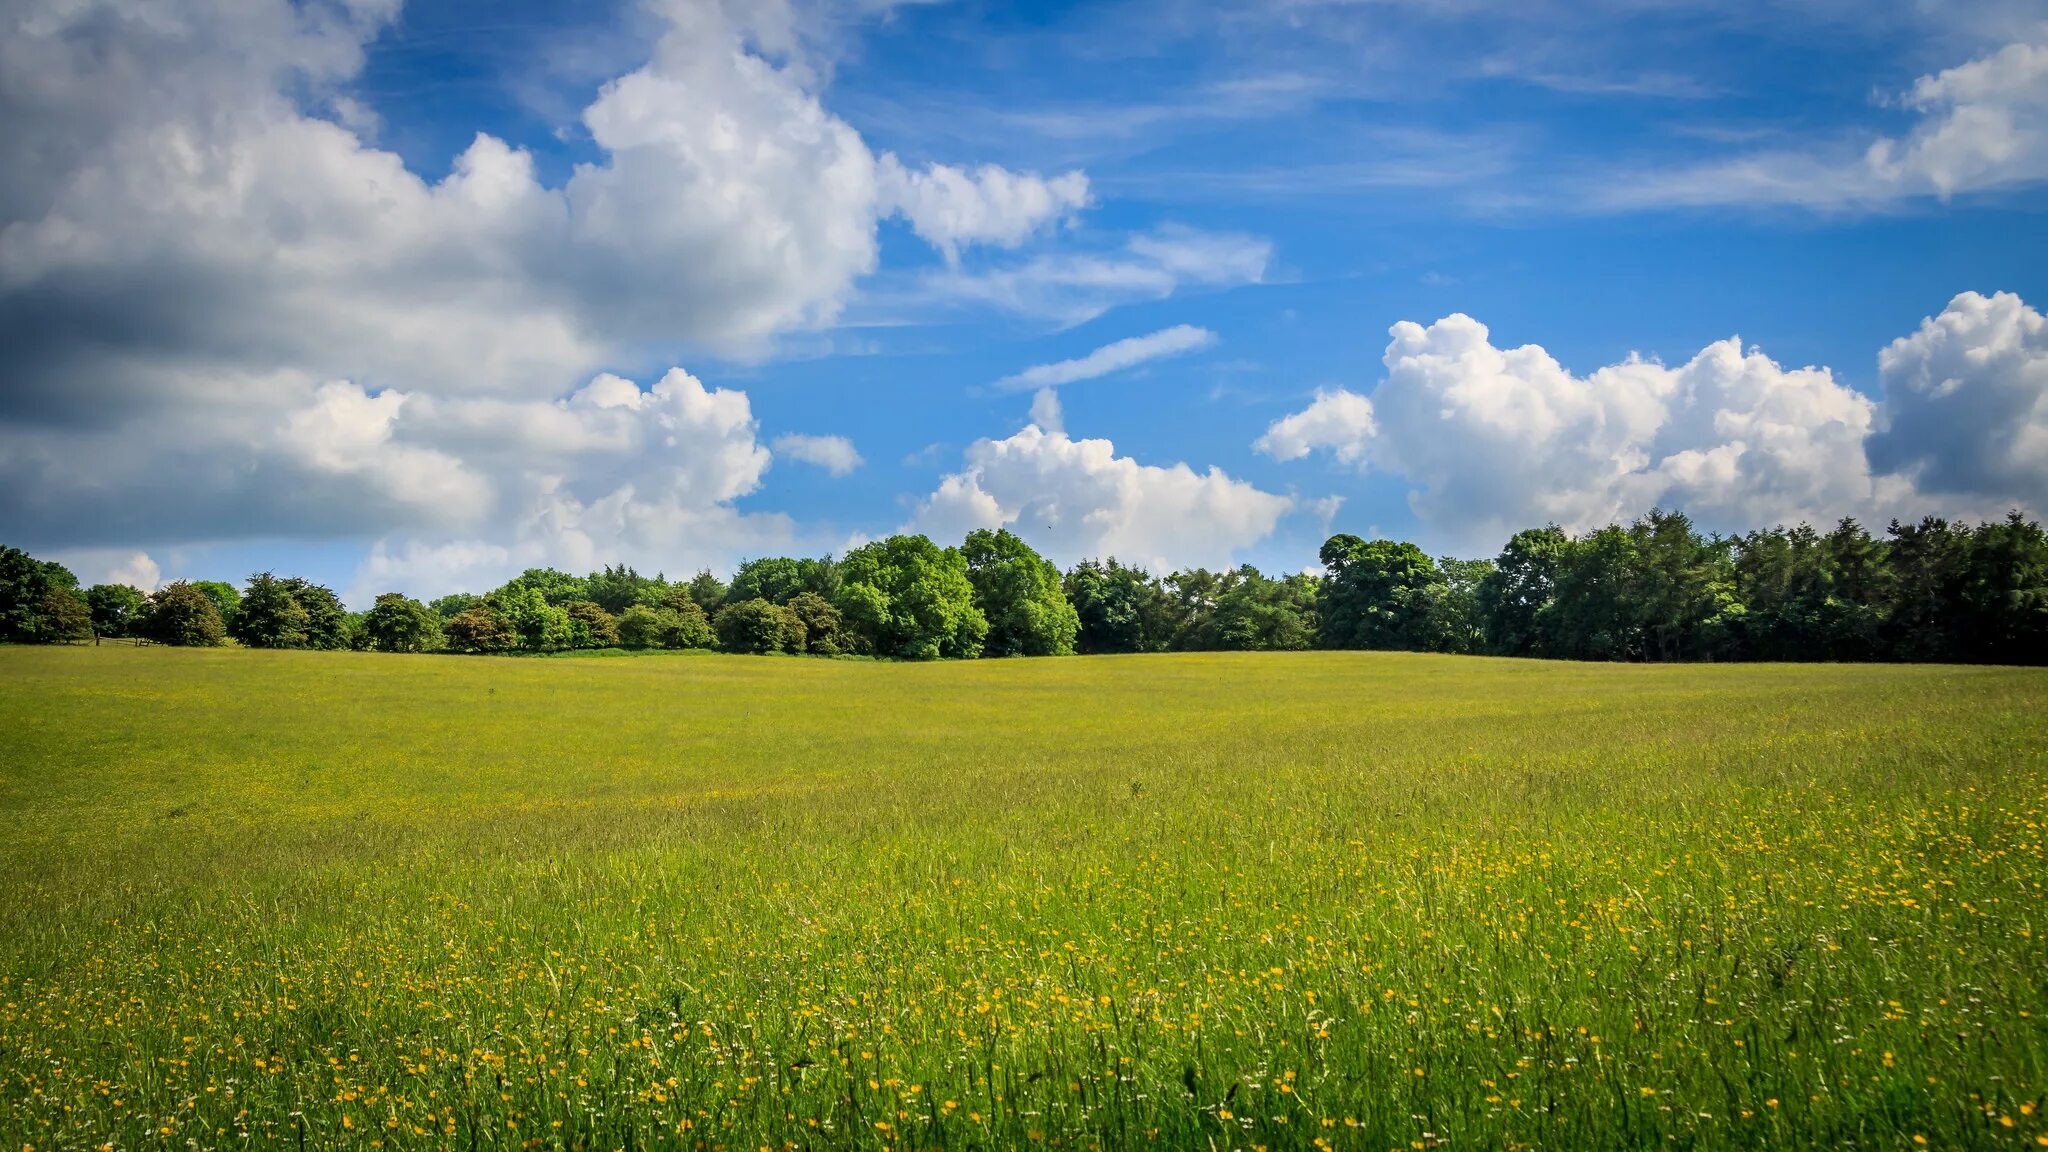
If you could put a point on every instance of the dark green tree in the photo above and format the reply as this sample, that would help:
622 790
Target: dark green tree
1595 614
1683 591
1514 600
1928 565
618 587
1119 608
327 625
183 615
398 623
1019 593
824 631
708 591
1377 594
2003 598
114 608
25 587
1257 614
269 615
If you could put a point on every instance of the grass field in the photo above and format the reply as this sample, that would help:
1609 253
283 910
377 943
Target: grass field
1231 901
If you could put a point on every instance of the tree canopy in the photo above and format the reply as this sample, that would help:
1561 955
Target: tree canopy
906 597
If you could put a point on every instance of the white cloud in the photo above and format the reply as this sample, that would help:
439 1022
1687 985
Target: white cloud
610 473
1116 357
1981 126
1074 287
113 566
835 454
1966 402
1046 412
230 317
1339 421
1495 440
1075 499
951 208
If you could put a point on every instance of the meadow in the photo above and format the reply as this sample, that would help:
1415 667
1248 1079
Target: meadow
1256 901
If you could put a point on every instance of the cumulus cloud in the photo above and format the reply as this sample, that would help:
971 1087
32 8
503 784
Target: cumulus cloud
1116 357
1076 499
113 566
610 472
835 454
229 314
1980 126
1495 440
952 207
1966 401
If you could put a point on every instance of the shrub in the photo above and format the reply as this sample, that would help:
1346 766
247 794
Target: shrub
480 629
590 626
757 627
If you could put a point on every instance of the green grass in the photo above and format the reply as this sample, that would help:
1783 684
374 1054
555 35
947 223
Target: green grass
1228 901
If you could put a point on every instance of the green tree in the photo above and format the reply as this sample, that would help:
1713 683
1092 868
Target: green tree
1118 608
1683 590
327 626
708 591
692 627
398 623
2003 595
679 623
1595 614
64 617
554 587
114 608
542 626
643 627
1451 618
1928 565
824 632
590 626
182 614
1255 613
482 629
226 599
1514 599
780 579
1378 594
618 587
269 615
1019 592
454 604
906 597
1193 597
25 587
757 627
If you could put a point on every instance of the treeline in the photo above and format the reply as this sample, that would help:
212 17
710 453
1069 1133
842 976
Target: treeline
1652 590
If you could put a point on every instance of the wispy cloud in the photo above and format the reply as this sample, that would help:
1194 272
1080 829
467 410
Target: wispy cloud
1127 353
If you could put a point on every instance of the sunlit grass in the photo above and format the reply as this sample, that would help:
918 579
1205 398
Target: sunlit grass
1349 900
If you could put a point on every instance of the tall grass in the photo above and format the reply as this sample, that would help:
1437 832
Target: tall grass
1230 901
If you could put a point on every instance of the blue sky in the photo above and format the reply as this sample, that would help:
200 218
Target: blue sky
275 303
